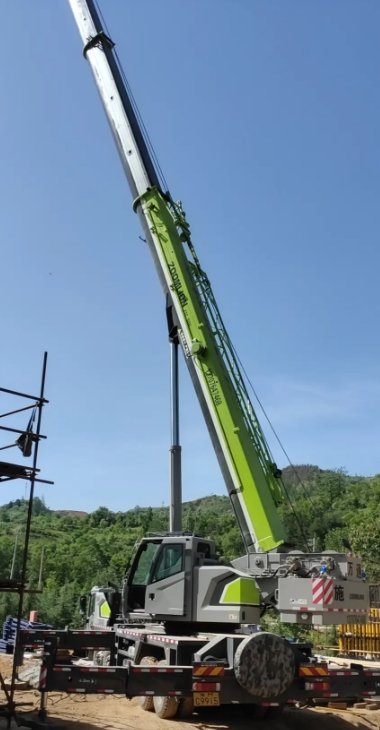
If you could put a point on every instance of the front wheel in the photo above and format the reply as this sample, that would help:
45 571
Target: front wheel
146 703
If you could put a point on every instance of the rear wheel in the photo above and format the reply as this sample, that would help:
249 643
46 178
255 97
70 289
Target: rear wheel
146 703
185 708
165 707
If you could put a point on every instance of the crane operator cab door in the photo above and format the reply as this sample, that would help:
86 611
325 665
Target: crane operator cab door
156 583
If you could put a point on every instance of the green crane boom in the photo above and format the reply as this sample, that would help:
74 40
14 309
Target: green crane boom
251 476
205 341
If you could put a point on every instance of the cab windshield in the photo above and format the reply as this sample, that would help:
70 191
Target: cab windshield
146 558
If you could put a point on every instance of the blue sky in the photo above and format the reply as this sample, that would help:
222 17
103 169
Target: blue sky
265 118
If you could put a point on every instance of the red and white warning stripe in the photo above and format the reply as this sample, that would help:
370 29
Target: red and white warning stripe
322 590
165 639
91 633
43 677
348 610
317 589
331 610
156 670
62 669
108 670
328 592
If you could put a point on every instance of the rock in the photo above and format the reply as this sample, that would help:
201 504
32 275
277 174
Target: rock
18 684
30 675
373 706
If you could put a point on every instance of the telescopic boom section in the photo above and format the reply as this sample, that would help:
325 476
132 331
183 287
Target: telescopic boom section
251 476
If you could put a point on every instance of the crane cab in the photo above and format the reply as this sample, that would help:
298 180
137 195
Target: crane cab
101 607
177 577
156 584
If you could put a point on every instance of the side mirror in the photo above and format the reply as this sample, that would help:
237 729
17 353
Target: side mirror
83 606
114 599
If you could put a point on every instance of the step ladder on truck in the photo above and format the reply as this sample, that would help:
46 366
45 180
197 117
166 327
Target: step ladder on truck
185 636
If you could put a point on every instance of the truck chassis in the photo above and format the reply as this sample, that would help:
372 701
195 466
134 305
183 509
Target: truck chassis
197 669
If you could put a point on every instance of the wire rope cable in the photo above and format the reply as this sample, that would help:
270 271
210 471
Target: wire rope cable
164 185
136 110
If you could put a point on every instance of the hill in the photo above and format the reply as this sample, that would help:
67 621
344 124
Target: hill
82 549
294 476
72 513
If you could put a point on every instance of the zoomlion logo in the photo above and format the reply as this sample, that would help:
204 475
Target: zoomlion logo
178 285
103 607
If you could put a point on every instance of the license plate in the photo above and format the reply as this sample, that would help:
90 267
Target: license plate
206 699
356 619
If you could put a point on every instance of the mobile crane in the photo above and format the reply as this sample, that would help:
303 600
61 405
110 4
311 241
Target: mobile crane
183 636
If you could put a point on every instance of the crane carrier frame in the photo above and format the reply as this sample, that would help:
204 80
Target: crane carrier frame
189 674
186 635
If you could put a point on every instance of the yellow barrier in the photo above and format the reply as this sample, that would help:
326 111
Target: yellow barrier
361 638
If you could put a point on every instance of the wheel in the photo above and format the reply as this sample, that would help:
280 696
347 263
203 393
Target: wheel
185 707
146 703
102 658
165 707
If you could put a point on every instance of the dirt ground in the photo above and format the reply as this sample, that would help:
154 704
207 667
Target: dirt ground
89 712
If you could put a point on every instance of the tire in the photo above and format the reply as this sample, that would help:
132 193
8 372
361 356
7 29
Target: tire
165 707
185 708
102 658
146 703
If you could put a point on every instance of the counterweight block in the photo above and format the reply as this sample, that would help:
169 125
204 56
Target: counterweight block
264 665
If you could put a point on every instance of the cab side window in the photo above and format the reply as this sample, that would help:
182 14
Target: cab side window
170 562
91 606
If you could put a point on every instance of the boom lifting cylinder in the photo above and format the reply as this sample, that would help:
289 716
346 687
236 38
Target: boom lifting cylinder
175 504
